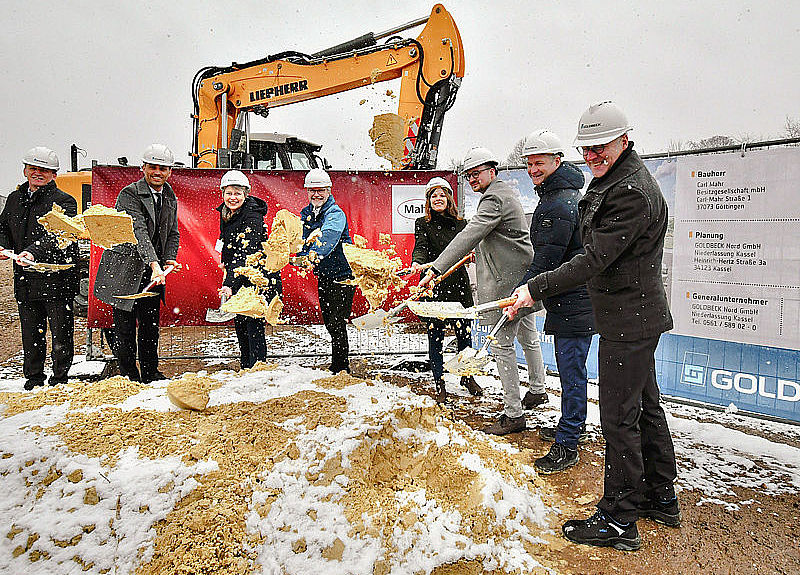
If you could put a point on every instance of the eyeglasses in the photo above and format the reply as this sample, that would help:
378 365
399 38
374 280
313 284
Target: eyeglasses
474 173
598 149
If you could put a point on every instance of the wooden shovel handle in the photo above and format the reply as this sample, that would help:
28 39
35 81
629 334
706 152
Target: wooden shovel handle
506 302
438 279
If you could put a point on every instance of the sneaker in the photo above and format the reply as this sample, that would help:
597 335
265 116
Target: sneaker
472 386
559 458
441 391
532 400
549 434
667 512
601 530
506 425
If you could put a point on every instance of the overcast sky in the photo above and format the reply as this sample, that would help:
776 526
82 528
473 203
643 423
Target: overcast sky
116 76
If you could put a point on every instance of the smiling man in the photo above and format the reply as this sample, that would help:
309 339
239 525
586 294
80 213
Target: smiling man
499 231
128 268
623 221
42 298
325 220
556 239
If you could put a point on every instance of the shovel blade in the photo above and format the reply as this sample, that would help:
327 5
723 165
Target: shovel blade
217 316
371 320
136 295
441 309
467 362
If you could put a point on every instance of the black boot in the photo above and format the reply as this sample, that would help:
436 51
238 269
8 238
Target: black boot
472 386
441 392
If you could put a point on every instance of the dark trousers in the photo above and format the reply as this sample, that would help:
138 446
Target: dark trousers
252 341
146 313
436 340
640 458
571 353
336 303
33 318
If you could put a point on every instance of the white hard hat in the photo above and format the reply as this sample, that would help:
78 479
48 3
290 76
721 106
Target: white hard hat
234 178
478 157
542 142
600 124
438 183
317 178
41 157
158 155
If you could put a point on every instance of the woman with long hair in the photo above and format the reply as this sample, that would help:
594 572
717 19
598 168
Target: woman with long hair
432 233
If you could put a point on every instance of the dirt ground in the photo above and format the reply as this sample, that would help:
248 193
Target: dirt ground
759 539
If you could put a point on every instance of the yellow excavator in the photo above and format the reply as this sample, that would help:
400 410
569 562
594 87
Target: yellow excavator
430 66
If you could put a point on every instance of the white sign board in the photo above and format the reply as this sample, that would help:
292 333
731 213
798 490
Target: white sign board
736 251
408 204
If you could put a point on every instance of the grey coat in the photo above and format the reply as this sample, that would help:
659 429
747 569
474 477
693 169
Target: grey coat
123 268
500 233
623 221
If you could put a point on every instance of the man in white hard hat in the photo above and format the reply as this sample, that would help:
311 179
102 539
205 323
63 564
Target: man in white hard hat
323 218
500 232
42 298
556 239
623 221
128 268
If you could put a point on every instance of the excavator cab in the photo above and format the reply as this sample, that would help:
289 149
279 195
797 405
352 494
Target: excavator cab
273 151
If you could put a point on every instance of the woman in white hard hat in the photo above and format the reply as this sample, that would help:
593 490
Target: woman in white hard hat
432 233
241 231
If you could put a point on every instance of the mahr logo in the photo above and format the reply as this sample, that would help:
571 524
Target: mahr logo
695 366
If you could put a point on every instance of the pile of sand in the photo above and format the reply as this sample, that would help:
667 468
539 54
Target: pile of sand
375 271
280 472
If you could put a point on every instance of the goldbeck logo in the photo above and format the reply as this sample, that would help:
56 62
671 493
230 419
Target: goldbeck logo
695 372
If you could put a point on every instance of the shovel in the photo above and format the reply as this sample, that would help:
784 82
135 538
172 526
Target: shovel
471 362
41 267
217 315
381 317
145 292
454 309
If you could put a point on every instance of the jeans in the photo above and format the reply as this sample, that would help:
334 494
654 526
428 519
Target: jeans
252 341
436 341
522 328
640 458
571 353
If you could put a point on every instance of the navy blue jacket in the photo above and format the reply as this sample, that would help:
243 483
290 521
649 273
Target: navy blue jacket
331 220
555 235
241 236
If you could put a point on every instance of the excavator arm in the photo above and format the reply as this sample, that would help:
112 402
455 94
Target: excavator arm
430 66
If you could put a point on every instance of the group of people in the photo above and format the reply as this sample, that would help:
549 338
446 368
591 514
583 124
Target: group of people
592 261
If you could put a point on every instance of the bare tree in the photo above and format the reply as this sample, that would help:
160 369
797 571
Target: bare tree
676 146
712 142
515 156
792 127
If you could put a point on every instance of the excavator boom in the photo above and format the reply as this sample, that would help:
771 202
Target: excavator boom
430 66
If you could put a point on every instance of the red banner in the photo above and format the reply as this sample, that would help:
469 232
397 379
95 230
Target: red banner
375 203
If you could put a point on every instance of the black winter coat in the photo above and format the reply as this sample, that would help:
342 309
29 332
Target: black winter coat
19 231
623 224
556 238
241 236
430 239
